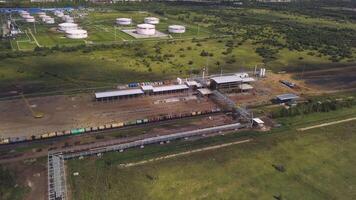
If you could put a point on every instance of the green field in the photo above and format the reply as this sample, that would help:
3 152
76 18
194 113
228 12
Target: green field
318 164
231 39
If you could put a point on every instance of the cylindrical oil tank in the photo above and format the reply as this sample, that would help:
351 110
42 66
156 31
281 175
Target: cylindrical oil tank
123 21
176 29
76 34
146 29
151 20
67 26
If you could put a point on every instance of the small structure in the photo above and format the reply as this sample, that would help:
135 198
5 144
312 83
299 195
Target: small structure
176 29
286 98
119 94
123 21
245 87
146 29
151 20
204 92
257 122
193 84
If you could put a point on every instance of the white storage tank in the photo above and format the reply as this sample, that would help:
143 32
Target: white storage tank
50 20
44 18
151 20
67 26
41 14
146 29
176 29
58 13
23 15
29 19
123 21
76 34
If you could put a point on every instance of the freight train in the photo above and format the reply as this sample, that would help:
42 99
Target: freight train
79 131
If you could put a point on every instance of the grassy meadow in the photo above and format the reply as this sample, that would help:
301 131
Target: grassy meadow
317 164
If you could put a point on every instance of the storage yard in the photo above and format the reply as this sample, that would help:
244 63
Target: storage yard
63 113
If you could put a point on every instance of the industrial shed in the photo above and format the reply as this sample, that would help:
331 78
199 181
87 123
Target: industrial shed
225 82
245 87
119 94
204 91
170 89
286 98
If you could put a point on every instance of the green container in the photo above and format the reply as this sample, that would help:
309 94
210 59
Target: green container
77 131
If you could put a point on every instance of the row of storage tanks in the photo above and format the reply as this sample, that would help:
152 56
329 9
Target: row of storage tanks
78 131
42 15
71 29
149 28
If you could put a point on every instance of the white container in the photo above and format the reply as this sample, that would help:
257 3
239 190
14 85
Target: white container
146 29
151 20
67 26
76 34
29 19
49 20
176 29
123 21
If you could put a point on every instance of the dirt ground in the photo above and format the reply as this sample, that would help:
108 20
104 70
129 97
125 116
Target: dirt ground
68 112
268 88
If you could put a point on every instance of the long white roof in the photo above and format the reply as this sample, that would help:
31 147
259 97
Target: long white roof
118 93
170 88
226 79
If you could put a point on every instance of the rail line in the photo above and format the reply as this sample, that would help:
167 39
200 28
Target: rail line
56 171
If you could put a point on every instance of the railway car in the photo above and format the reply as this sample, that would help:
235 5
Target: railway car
59 133
101 127
67 132
44 135
52 134
107 126
88 129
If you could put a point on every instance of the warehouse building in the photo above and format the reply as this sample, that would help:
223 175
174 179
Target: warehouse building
225 82
119 94
286 98
170 89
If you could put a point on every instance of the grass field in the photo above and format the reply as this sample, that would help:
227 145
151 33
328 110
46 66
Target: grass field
318 165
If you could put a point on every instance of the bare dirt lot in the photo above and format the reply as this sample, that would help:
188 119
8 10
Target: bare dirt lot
68 112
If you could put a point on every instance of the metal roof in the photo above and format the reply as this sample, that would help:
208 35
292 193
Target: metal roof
205 91
170 88
226 79
248 79
258 120
118 93
245 86
284 97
